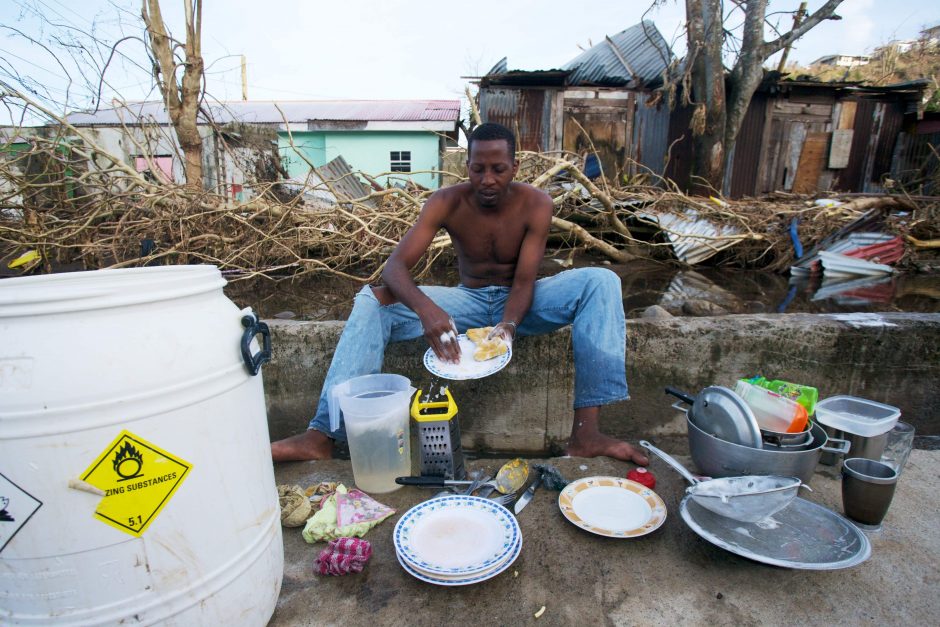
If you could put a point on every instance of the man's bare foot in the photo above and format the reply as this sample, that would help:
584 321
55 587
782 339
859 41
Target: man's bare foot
598 444
587 440
310 444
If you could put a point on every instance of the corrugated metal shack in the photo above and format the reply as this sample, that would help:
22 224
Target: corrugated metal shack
807 137
798 136
599 98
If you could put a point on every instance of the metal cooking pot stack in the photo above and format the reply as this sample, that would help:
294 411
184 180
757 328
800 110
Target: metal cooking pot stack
726 439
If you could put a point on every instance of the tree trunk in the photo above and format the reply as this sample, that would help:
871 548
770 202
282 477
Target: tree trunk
747 73
182 101
708 93
719 116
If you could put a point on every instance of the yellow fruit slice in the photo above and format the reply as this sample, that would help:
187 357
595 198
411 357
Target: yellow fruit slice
488 349
478 335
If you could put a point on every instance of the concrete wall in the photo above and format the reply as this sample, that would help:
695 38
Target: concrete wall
890 358
366 151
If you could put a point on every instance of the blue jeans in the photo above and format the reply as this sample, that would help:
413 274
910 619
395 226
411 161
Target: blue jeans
589 299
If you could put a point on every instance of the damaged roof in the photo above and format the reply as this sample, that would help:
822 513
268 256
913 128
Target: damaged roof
294 111
634 57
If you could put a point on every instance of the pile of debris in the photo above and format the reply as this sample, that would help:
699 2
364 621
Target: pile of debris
85 208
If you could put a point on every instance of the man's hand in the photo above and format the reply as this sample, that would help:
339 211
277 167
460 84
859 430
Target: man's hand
505 330
441 333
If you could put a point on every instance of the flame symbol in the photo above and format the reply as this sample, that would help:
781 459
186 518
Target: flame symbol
128 462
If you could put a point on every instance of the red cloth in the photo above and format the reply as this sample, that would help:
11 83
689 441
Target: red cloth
343 556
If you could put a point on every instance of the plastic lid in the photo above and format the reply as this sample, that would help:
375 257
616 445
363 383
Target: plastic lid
856 415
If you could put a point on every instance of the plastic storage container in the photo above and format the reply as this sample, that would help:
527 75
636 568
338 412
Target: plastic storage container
133 382
805 395
865 424
375 410
772 411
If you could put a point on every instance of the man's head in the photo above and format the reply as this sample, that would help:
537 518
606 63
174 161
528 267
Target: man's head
491 163
493 132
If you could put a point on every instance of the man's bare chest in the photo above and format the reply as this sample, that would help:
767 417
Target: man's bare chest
486 240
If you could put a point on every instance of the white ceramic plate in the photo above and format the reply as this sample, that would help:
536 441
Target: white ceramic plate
456 535
444 580
612 507
468 367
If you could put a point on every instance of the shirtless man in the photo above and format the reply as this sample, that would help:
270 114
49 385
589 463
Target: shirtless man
498 228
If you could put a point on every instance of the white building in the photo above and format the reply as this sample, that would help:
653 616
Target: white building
843 60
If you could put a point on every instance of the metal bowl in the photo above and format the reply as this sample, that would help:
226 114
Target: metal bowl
791 441
717 458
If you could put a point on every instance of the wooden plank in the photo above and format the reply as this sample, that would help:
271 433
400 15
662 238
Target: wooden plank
794 137
783 107
847 116
841 148
812 160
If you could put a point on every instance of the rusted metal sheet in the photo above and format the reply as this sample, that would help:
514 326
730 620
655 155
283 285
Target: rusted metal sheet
891 122
851 177
270 112
915 166
747 149
679 147
525 111
650 136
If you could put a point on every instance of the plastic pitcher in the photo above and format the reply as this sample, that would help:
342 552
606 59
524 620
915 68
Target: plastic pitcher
375 409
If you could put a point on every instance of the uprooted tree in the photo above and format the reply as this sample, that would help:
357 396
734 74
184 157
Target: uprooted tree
721 100
181 94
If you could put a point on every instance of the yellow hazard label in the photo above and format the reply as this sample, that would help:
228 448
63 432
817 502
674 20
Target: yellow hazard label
138 479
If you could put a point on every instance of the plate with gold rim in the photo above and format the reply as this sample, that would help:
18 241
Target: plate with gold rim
612 506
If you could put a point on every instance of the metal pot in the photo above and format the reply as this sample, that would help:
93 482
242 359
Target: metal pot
718 458
777 440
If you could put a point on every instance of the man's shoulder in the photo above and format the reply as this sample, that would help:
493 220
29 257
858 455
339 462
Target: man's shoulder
529 190
451 193
532 198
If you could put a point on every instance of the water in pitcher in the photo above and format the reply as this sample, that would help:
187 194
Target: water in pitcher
380 448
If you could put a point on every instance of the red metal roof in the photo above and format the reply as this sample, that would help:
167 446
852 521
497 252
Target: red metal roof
266 112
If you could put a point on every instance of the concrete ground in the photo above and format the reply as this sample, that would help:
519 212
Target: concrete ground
671 576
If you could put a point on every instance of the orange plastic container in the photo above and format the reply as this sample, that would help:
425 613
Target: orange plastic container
773 411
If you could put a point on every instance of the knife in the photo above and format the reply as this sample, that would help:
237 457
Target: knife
527 495
432 482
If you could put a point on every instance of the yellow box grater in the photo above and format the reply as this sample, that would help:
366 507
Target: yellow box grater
438 433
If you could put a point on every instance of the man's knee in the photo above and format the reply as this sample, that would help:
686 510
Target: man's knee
602 279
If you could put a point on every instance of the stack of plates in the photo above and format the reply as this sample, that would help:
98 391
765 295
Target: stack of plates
457 540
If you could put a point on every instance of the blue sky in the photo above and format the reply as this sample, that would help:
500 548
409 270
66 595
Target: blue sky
317 49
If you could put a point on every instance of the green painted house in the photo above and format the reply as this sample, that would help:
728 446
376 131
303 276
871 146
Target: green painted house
393 141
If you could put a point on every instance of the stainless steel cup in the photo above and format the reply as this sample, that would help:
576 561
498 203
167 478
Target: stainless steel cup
867 490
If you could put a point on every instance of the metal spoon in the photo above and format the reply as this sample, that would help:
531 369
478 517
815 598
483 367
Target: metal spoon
511 476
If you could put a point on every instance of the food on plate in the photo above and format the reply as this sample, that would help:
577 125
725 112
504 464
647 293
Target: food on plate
478 335
486 348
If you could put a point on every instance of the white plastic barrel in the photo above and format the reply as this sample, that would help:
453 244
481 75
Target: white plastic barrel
150 359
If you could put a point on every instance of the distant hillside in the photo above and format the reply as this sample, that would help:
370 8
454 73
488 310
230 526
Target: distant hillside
887 67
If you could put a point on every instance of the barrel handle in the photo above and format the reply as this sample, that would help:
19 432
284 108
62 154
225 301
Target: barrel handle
253 327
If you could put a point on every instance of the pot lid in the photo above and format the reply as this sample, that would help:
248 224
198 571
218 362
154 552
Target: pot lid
721 412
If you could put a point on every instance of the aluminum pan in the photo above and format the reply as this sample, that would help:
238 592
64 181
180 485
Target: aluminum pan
782 539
